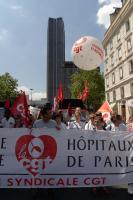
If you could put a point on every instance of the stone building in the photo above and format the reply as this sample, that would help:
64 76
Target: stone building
118 68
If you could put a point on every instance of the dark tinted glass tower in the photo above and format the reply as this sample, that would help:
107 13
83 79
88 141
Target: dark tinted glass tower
55 56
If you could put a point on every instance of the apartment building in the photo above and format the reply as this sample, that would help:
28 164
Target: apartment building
118 68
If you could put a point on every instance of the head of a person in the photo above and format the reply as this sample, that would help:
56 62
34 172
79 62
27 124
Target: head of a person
46 114
130 120
99 123
57 117
31 119
99 115
78 110
92 117
112 119
117 120
7 114
77 113
18 121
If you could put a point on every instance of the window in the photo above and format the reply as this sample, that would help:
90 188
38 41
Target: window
108 97
106 62
123 1
111 44
122 92
121 72
118 36
131 88
131 66
114 95
113 77
119 53
105 51
107 82
129 45
106 65
127 25
112 60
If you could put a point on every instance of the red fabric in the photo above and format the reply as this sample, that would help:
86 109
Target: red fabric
105 107
20 107
85 91
60 95
7 104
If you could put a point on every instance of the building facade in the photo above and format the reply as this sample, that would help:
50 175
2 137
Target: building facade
118 69
55 56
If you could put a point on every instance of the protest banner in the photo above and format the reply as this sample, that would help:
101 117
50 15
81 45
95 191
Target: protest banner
49 158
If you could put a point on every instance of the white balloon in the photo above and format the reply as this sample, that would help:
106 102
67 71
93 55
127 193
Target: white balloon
87 53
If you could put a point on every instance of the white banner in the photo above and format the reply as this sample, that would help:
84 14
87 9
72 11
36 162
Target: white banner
48 158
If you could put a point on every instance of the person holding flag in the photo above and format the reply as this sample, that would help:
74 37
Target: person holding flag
20 107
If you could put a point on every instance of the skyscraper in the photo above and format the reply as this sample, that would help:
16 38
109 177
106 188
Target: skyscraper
55 56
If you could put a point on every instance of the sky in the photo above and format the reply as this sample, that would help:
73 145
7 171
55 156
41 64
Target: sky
23 34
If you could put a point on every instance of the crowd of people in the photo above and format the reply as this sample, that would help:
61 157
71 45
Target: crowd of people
60 120
78 120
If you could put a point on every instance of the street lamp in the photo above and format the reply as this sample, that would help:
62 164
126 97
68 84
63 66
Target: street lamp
31 93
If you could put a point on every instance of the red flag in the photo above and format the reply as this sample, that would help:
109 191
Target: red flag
85 92
7 104
20 107
60 95
105 107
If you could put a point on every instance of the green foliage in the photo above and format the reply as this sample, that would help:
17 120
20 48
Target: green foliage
8 87
95 85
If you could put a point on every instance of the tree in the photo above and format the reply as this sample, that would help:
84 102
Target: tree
8 87
95 84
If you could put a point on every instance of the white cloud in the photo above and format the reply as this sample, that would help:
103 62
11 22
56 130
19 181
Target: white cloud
103 1
18 10
16 7
25 89
35 95
106 8
3 34
38 95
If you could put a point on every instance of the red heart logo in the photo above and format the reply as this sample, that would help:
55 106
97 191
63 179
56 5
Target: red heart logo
35 153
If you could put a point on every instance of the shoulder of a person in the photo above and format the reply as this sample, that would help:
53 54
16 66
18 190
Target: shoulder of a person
63 125
52 121
38 121
11 119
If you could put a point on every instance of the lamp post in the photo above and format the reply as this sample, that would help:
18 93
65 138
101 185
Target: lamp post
31 93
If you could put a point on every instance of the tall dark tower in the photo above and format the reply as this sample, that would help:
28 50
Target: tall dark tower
55 56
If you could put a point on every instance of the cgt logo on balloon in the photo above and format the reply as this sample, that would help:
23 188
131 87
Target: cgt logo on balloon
87 53
35 153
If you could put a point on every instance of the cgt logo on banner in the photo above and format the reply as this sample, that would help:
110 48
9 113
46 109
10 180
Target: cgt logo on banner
46 158
35 153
